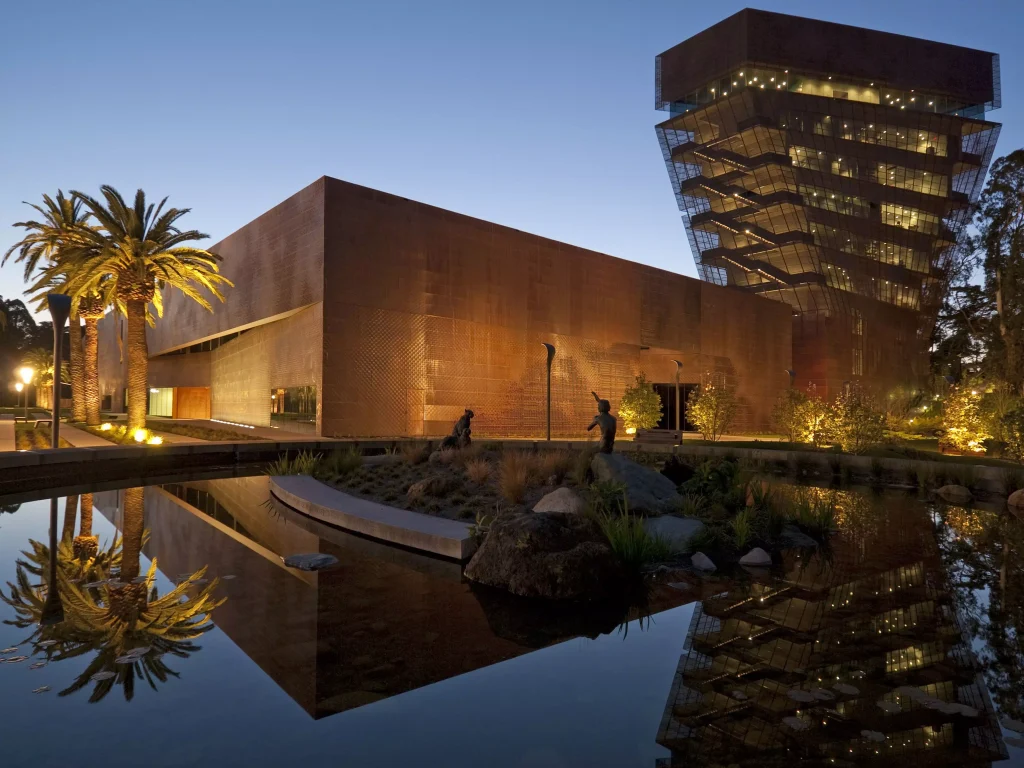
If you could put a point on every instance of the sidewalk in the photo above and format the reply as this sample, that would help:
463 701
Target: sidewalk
267 433
79 438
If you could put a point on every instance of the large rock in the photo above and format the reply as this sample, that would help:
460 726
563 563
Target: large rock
561 500
955 494
676 531
702 562
793 538
649 492
1017 499
546 554
434 485
756 558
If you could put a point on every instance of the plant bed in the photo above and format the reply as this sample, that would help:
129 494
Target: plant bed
31 438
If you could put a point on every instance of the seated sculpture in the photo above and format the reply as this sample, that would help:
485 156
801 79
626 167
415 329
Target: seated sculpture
606 422
460 436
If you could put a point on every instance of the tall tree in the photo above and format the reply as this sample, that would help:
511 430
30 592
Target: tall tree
127 260
1000 221
47 244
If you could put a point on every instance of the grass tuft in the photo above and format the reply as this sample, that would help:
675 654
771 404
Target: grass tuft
478 470
514 475
305 463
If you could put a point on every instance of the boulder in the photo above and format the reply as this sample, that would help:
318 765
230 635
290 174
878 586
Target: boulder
793 538
1016 499
313 561
756 558
649 492
561 500
955 494
702 562
434 485
676 531
546 554
676 470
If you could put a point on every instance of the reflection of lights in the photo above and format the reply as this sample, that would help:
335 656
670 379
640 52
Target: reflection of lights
233 423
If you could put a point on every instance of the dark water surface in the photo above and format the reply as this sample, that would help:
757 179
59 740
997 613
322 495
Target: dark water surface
391 659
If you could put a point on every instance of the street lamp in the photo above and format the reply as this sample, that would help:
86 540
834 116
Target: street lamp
18 386
551 356
679 367
60 307
26 373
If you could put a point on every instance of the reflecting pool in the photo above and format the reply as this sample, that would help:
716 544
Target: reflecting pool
168 632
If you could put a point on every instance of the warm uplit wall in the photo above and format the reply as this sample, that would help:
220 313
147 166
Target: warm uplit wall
430 312
285 353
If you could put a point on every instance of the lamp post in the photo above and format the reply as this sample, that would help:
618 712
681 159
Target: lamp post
53 608
26 373
551 356
679 367
18 387
60 307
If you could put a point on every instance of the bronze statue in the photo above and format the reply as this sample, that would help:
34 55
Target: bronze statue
460 436
606 422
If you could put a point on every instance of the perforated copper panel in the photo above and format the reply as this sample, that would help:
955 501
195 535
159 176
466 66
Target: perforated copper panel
285 353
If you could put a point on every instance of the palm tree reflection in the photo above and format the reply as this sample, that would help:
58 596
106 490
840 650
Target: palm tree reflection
109 606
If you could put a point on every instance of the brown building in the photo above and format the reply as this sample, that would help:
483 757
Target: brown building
830 168
359 313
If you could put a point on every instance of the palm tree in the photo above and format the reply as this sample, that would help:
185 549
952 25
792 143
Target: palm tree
49 242
123 618
133 254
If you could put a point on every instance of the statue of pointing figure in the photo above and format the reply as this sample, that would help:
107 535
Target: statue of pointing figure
606 422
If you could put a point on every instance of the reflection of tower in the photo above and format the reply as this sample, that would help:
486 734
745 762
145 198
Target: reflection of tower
852 659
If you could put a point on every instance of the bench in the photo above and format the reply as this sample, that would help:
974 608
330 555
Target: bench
660 436
47 422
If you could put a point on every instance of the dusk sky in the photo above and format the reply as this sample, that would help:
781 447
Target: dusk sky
536 115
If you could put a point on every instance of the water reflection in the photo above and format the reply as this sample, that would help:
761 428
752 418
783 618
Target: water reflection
107 608
860 655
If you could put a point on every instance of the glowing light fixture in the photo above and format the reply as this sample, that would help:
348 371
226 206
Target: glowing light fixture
106 427
26 373
155 440
139 435
18 386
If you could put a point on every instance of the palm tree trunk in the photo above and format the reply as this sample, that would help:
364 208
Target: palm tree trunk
70 513
77 370
138 365
86 545
91 373
131 533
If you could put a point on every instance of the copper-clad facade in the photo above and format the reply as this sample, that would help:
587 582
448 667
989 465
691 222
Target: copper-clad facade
399 315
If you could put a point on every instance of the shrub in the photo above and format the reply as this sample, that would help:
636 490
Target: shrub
1013 432
998 400
743 528
305 463
555 464
877 470
340 463
963 419
692 505
853 421
630 541
608 497
414 454
798 416
478 470
514 475
640 406
711 409
814 515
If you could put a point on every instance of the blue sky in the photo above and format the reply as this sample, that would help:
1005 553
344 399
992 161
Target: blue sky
536 115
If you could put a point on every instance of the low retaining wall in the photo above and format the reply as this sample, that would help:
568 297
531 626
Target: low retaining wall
989 479
414 530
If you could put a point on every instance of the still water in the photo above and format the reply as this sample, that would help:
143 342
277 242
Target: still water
199 647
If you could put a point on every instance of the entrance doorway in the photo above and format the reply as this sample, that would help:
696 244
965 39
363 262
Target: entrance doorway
667 393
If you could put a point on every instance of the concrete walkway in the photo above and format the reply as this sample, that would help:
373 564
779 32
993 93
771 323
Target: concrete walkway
266 433
7 439
79 438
